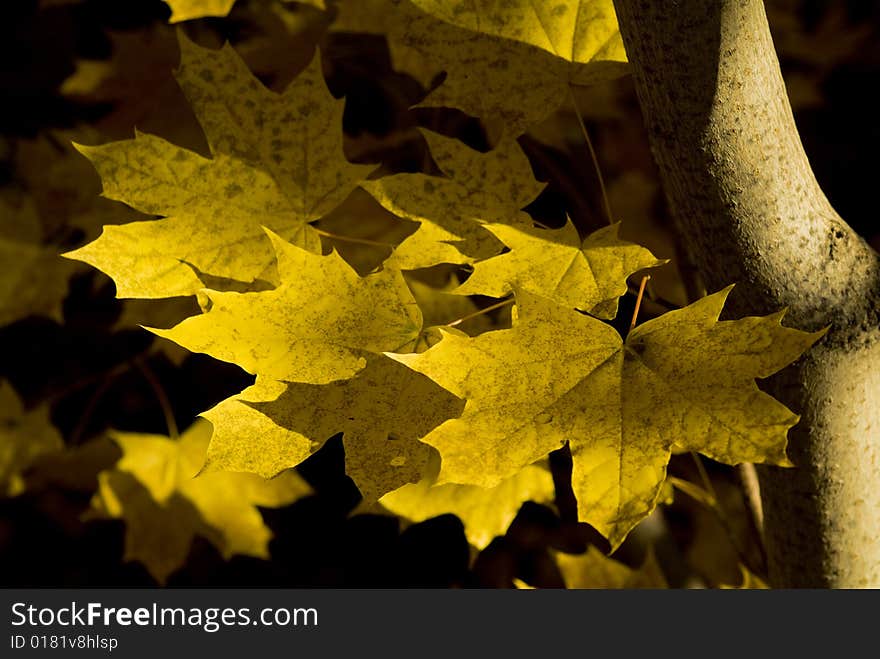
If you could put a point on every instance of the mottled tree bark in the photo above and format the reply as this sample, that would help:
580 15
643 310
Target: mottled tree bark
750 211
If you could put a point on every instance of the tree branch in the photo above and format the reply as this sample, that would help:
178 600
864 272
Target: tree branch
750 211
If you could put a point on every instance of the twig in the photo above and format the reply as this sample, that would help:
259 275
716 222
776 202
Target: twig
480 312
90 407
593 156
656 300
349 239
161 396
725 521
639 301
751 490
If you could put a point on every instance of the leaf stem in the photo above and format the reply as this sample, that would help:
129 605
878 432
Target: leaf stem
664 304
350 239
82 425
704 476
161 397
480 312
639 301
595 159
707 496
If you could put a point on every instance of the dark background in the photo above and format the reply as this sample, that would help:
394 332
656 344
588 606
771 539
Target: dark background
86 365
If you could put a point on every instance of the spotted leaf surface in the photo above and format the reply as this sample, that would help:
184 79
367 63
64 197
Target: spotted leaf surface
559 376
382 412
316 326
485 512
589 275
276 161
476 188
575 30
509 62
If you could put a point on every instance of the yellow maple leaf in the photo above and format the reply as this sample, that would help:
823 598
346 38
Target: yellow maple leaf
589 275
24 436
595 570
277 161
575 30
509 62
440 308
476 188
237 420
316 326
485 512
749 581
155 489
559 376
381 412
185 10
387 18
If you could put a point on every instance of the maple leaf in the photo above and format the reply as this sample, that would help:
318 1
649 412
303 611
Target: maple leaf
559 376
315 327
388 18
154 488
24 436
277 161
33 279
589 275
476 188
440 307
133 81
381 412
512 62
63 188
484 512
594 569
185 10
52 202
749 581
237 421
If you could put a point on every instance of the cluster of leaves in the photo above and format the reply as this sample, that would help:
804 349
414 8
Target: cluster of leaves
365 336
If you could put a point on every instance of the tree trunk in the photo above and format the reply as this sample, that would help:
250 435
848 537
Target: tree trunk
750 211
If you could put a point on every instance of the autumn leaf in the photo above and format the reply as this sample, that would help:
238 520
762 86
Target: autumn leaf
133 81
51 205
559 376
33 281
749 581
185 10
25 435
277 161
63 188
236 421
484 512
316 326
512 62
388 18
440 307
595 570
33 278
589 275
476 188
155 488
382 412
575 30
